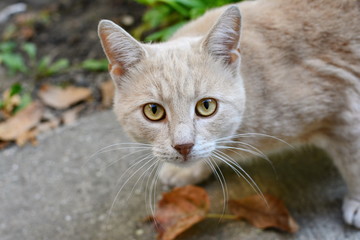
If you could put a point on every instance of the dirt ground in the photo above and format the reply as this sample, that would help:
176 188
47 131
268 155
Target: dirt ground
69 32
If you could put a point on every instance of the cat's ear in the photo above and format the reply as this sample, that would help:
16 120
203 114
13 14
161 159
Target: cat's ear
223 40
122 50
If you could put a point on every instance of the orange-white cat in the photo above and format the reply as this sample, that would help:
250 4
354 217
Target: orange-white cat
276 71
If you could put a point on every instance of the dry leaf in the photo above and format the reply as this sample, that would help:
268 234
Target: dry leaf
61 98
3 145
70 116
180 209
23 121
255 210
107 92
11 102
46 126
28 136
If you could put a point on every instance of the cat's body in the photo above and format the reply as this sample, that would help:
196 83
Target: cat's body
292 72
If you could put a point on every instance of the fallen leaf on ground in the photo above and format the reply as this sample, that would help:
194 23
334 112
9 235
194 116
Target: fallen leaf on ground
261 215
107 92
3 145
70 116
180 209
20 123
61 98
28 136
46 126
10 102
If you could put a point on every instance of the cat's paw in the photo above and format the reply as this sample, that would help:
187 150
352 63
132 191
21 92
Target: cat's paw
351 211
175 176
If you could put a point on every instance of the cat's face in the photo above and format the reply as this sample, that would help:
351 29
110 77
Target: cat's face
180 96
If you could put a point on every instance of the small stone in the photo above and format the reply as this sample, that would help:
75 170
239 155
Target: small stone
139 232
127 20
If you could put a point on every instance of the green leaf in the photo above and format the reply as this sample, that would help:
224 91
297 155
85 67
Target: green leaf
29 49
46 68
164 34
157 16
177 7
43 65
14 62
25 101
16 88
59 66
7 47
194 3
96 65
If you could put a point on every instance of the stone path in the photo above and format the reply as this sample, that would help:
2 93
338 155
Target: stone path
56 191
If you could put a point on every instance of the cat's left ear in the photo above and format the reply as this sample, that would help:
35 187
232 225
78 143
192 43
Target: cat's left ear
223 40
122 50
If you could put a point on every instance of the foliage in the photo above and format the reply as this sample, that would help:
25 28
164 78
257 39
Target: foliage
95 65
46 67
170 15
14 99
14 58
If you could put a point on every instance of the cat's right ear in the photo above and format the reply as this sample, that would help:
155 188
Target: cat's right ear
223 40
122 50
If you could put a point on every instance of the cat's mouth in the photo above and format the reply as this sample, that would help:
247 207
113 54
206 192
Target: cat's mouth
185 154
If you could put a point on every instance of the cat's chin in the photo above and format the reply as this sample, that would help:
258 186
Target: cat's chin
185 164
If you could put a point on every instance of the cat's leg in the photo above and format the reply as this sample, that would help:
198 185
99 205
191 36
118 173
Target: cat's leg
346 155
176 176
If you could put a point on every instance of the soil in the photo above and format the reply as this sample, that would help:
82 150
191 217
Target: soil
70 32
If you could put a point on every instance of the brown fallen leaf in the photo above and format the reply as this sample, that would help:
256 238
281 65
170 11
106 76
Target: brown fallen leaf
255 210
20 123
61 98
107 92
48 125
28 136
180 209
10 103
70 116
3 144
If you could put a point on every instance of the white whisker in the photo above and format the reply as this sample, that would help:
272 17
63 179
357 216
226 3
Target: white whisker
142 176
153 189
108 149
215 168
127 155
258 153
124 184
236 167
256 135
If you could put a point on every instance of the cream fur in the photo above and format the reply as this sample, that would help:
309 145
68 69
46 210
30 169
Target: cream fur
294 74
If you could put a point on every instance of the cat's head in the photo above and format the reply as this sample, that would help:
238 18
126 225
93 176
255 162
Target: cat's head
181 96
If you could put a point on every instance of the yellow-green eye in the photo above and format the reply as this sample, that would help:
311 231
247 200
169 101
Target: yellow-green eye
154 112
206 107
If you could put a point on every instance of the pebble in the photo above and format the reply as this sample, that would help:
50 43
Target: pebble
139 232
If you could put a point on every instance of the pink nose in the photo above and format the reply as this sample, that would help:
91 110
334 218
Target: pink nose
184 149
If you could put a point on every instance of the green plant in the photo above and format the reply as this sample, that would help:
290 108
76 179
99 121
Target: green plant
13 58
95 65
15 99
46 67
170 15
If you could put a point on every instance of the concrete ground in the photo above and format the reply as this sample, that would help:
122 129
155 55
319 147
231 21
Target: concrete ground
58 191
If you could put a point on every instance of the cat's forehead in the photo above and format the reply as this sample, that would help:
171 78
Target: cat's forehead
178 72
175 70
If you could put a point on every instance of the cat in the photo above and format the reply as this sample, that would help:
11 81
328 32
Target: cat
255 75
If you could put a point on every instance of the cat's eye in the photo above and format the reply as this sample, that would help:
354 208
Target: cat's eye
206 107
154 112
